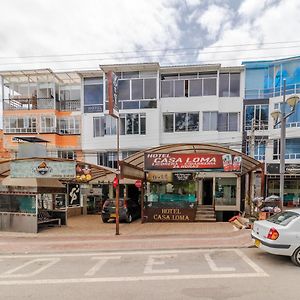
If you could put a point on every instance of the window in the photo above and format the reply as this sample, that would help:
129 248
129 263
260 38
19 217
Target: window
210 121
19 125
181 122
66 154
259 150
48 124
229 85
259 113
69 92
132 124
98 126
68 125
93 95
107 159
188 85
292 149
228 122
168 120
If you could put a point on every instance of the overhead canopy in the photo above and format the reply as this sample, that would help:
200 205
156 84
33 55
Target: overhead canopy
32 182
96 171
136 161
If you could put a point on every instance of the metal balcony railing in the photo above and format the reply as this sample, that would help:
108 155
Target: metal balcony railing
272 92
69 105
29 103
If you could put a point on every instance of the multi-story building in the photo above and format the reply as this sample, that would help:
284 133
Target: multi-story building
264 90
163 105
43 107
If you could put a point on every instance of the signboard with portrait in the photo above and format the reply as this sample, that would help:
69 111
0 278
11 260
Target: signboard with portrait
203 161
42 169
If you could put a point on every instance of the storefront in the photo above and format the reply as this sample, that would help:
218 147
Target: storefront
291 183
181 179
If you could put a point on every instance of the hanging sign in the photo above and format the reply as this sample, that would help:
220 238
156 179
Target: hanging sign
112 88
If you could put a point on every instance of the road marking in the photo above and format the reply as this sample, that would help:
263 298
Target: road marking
10 273
214 267
152 262
131 278
99 264
250 262
138 252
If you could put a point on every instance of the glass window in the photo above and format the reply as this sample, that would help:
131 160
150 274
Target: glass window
249 115
283 218
210 119
93 91
143 123
150 88
124 89
225 191
222 121
196 87
131 104
137 89
193 121
180 122
168 120
167 87
224 85
234 84
98 126
134 74
209 87
233 122
179 88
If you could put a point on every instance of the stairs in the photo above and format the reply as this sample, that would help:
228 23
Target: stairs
205 213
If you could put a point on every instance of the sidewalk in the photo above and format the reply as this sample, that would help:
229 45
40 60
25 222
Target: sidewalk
88 233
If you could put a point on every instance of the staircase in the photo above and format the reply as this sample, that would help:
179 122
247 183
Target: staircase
205 213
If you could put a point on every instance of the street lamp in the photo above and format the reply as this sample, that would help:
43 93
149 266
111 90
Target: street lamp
280 116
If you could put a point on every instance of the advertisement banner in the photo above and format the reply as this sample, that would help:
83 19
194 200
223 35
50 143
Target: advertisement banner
42 169
203 161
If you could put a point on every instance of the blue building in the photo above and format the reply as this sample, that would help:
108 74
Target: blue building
264 89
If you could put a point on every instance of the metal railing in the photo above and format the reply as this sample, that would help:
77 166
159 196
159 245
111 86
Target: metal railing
69 105
29 103
272 92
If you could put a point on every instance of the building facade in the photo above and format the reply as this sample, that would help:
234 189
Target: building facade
264 90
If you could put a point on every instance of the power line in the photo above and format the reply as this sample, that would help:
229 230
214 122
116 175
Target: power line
150 50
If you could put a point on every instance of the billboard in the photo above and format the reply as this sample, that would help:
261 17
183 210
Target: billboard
42 169
112 85
203 161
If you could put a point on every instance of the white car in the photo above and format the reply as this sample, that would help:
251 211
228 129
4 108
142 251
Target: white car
280 234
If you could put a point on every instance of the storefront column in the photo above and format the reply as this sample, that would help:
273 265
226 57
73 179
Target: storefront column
199 183
214 192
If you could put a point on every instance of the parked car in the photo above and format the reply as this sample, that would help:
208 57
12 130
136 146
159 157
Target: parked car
280 234
129 210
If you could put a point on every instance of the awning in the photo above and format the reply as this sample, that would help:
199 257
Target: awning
32 182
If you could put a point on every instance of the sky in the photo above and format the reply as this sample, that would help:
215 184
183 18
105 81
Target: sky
72 35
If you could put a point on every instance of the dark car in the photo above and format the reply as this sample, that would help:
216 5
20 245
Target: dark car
128 210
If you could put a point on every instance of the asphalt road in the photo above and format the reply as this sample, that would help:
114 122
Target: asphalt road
165 274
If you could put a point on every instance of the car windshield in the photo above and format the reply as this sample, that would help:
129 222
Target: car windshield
284 218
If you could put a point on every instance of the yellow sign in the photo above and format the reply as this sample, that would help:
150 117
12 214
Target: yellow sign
159 176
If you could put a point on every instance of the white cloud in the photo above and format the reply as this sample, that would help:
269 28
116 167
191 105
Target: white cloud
277 23
252 8
213 18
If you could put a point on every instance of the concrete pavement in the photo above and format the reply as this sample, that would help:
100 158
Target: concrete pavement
88 233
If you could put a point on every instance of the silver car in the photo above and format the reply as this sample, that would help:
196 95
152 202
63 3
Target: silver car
280 234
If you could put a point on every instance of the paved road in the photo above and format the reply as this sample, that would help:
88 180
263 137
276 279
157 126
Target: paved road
165 274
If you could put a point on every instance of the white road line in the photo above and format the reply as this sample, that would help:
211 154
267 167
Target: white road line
251 263
138 252
10 273
152 262
214 267
131 279
99 264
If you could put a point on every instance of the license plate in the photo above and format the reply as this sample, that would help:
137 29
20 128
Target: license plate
112 215
257 243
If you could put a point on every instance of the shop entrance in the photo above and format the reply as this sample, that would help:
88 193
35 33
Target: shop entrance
207 189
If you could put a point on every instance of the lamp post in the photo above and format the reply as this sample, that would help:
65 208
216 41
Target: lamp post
280 117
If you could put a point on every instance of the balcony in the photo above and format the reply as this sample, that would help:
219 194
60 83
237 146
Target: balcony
29 103
69 105
272 92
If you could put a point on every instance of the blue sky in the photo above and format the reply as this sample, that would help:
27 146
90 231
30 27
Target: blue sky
67 35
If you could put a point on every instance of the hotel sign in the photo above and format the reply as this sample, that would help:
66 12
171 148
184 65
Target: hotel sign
203 161
169 214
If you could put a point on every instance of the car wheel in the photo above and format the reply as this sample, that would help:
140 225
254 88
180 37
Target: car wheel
129 218
296 257
105 220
